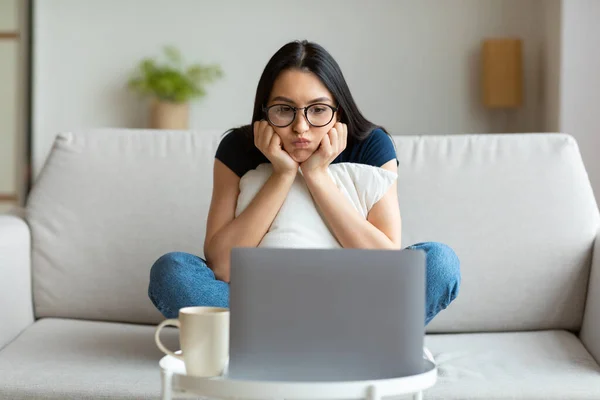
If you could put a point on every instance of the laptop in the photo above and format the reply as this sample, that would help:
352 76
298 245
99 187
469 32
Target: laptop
326 314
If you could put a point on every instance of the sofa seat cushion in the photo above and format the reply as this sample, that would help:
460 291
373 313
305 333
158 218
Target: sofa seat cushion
75 359
525 365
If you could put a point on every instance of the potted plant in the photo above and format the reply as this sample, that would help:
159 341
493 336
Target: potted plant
171 87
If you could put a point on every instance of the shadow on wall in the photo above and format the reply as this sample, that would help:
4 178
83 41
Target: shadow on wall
132 113
473 71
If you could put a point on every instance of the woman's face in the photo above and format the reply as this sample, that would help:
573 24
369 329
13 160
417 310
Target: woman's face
298 88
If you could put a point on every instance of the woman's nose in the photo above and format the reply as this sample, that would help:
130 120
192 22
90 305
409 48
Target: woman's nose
300 123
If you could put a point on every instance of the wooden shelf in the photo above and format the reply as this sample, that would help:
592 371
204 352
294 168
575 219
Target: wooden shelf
9 35
8 197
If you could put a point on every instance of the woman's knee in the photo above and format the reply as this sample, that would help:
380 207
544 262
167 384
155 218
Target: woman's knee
443 272
442 261
174 266
175 278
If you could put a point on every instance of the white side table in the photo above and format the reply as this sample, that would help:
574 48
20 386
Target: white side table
176 382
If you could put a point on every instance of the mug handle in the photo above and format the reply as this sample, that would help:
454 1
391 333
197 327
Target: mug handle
168 322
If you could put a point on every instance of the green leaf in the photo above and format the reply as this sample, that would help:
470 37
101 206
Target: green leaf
173 55
171 81
194 72
147 67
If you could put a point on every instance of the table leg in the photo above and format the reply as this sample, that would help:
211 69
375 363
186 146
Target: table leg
418 396
373 393
166 379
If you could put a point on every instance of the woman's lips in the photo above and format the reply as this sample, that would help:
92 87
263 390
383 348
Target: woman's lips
302 143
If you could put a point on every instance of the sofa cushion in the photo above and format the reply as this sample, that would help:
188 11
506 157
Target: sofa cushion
542 365
70 359
520 213
106 205
299 222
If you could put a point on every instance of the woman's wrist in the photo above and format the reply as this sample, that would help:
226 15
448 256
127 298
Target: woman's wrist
285 175
315 176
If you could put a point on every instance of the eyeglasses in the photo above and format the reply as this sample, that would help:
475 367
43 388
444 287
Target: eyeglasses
317 115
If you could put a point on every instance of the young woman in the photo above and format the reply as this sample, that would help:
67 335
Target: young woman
304 119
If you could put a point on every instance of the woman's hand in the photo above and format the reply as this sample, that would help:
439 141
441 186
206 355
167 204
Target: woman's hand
332 144
269 143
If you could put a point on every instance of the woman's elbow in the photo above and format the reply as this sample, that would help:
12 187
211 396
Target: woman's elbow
220 267
222 273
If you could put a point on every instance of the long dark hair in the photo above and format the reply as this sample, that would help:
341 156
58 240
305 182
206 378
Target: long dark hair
309 56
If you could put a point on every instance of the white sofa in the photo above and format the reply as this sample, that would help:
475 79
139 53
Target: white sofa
518 210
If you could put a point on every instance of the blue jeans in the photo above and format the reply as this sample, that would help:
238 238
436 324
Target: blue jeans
180 280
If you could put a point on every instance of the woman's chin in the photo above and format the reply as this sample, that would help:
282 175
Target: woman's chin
301 155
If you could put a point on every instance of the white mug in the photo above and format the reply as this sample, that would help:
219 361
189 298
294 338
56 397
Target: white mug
204 339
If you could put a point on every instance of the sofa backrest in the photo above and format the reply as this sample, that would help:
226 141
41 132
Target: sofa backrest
517 209
520 213
105 206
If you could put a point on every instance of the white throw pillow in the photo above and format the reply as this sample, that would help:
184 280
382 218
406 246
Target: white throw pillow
299 223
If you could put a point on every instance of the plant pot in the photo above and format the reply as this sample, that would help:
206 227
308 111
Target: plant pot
166 115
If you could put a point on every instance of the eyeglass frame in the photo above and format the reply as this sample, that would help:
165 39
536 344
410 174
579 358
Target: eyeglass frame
266 111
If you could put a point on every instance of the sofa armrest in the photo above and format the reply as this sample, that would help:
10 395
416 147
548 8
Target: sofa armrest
590 329
16 310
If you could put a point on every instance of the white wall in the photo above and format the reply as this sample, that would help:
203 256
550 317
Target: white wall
580 81
413 66
551 59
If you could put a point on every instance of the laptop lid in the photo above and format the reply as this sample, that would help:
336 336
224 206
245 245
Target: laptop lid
326 314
